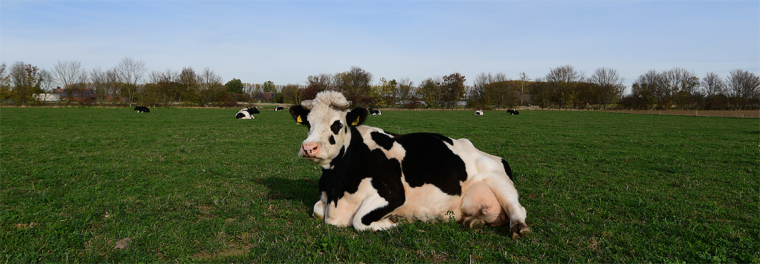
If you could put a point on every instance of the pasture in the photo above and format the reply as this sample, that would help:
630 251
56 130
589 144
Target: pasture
111 185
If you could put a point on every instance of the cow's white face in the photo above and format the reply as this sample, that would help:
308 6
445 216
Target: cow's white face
328 120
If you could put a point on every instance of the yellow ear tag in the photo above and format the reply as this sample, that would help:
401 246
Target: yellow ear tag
299 120
356 121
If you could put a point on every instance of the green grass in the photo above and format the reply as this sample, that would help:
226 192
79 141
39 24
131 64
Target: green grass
198 185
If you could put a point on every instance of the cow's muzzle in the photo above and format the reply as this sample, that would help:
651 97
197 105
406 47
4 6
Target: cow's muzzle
309 150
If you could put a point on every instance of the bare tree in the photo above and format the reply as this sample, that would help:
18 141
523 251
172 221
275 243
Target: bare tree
562 80
68 73
113 85
681 86
609 84
491 89
130 72
100 84
743 87
322 81
5 82
159 76
477 93
47 80
712 84
209 87
405 91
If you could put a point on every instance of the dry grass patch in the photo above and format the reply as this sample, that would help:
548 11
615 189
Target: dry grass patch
713 113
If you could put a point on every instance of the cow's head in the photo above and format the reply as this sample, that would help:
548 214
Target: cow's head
328 120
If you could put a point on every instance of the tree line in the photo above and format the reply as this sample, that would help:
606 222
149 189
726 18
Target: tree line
564 87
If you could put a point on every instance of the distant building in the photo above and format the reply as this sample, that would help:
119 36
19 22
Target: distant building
263 96
47 97
83 95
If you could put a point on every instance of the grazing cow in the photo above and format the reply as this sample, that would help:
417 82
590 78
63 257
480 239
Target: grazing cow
375 112
372 178
142 109
279 108
247 113
513 111
478 112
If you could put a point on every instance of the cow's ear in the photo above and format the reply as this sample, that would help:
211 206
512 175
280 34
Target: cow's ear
357 116
299 114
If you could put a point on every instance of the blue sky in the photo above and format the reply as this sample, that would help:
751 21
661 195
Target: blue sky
286 41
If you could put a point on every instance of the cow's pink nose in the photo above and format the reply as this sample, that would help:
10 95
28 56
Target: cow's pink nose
310 149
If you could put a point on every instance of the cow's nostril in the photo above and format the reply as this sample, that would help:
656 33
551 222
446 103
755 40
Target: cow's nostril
310 149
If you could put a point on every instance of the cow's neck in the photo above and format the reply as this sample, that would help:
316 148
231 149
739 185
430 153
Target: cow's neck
341 174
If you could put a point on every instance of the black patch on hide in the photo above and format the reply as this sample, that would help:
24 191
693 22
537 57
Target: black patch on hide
336 126
429 160
382 139
507 169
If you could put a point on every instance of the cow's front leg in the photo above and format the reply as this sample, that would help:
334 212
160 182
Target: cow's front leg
320 207
337 214
341 213
375 210
372 215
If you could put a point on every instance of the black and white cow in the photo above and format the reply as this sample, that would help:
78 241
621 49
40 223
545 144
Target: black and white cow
279 108
513 111
247 113
375 112
372 178
142 109
478 112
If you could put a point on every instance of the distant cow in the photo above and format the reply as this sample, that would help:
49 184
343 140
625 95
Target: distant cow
246 113
513 111
142 109
279 108
478 112
375 112
372 178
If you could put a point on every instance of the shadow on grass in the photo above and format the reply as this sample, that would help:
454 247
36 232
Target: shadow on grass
304 190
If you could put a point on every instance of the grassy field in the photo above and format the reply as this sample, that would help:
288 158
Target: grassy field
111 185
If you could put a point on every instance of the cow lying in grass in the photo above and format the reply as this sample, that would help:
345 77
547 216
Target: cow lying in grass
247 113
142 109
371 178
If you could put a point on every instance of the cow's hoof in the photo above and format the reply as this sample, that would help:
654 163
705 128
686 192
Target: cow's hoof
520 230
476 224
318 217
394 218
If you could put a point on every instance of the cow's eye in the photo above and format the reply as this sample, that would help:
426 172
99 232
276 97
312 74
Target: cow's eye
336 126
